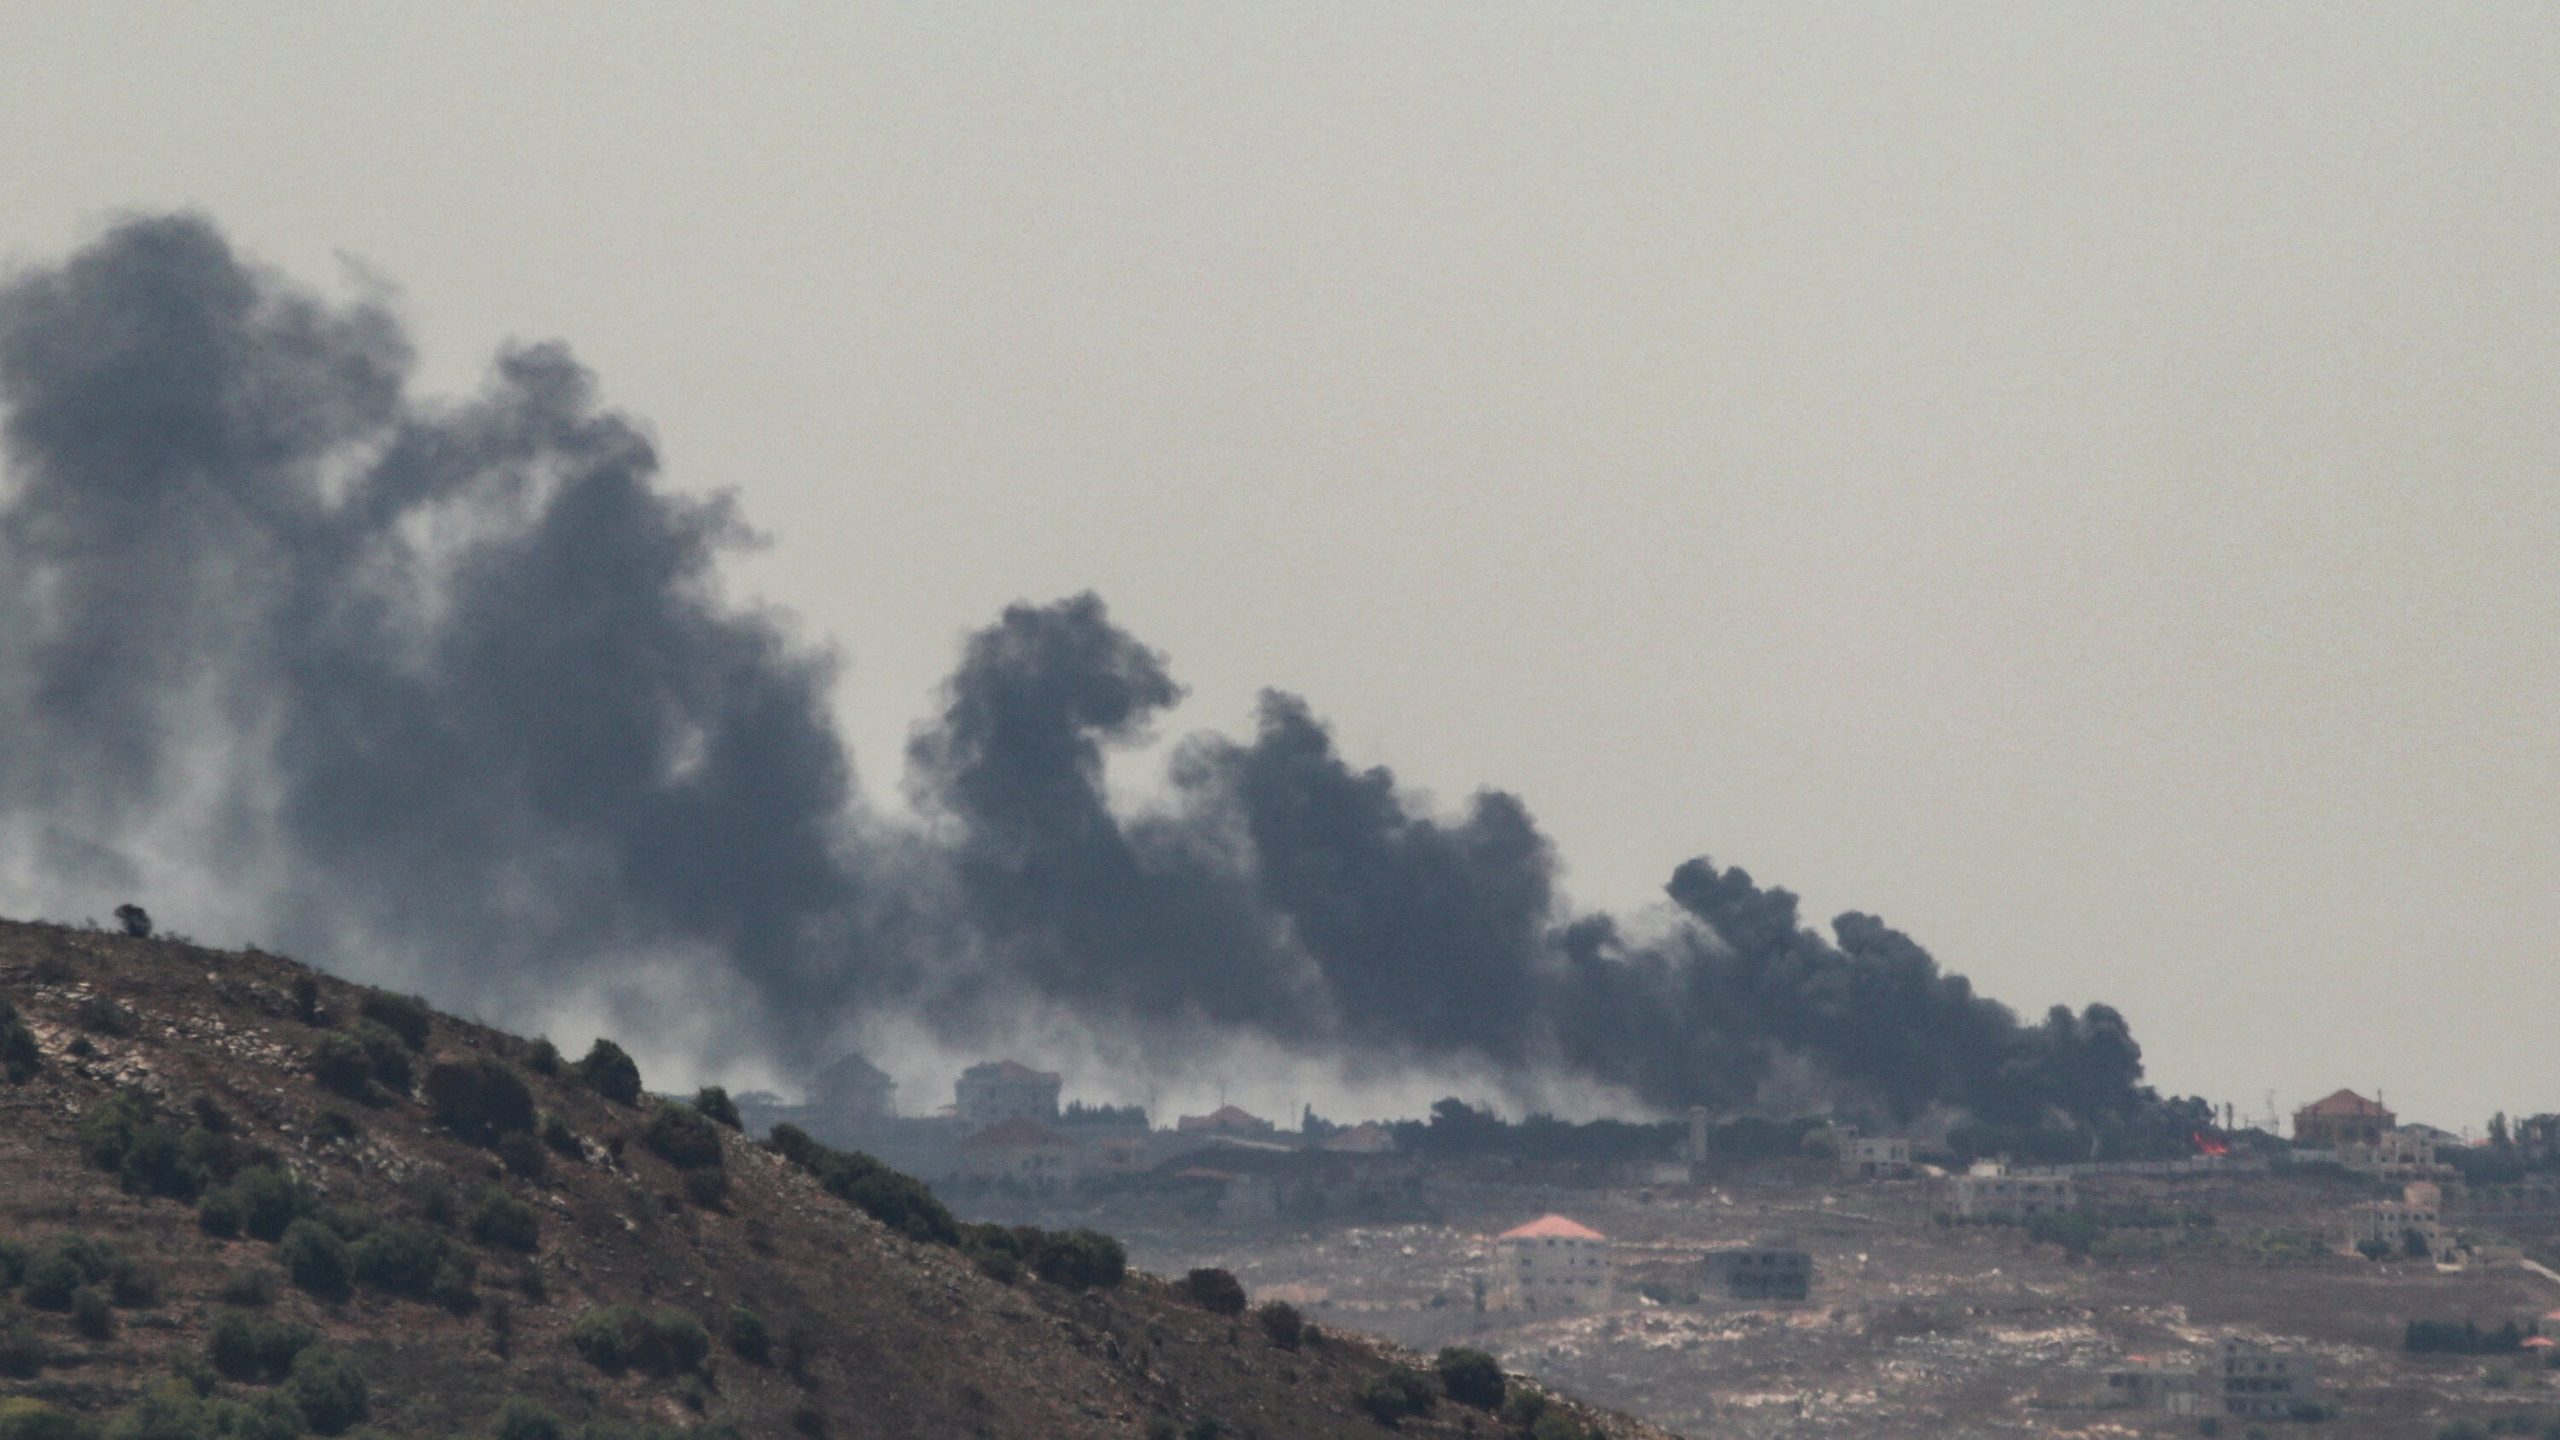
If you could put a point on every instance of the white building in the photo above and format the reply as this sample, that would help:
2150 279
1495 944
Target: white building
999 1090
1870 1157
1991 1192
1553 1263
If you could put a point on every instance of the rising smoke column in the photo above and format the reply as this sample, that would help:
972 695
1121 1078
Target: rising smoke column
457 681
448 696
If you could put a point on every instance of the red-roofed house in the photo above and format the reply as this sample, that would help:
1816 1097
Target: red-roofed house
1553 1263
1024 1151
1225 1120
2345 1118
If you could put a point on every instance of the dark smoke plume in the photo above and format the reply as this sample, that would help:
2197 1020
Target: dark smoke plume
449 695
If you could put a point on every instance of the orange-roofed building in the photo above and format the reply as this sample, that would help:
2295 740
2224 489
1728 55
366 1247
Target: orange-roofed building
1553 1263
2345 1118
1225 1120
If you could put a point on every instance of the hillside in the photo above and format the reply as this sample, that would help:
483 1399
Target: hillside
201 1151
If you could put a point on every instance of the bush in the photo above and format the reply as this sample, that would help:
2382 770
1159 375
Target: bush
328 1390
22 1354
1280 1320
715 1105
479 1099
254 1350
897 1200
269 1201
557 1134
406 1016
682 1136
707 1188
1078 1259
160 1159
20 1056
340 1063
523 1156
1556 1425
386 1056
503 1220
59 1272
317 1260
219 1214
399 1260
1396 1393
543 1057
748 1337
521 1419
252 1288
614 1338
1471 1377
611 1073
13 1264
34 1420
1213 1290
91 1314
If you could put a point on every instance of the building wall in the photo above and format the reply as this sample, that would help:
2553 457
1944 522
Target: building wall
1546 1272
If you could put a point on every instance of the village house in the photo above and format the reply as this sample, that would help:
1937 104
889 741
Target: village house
1553 1263
2142 1383
2411 1226
1225 1120
1872 1157
992 1093
1018 1151
2261 1383
1771 1268
2345 1118
1990 1192
854 1090
2413 1153
1367 1138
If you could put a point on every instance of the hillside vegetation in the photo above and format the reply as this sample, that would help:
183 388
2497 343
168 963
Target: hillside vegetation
241 1198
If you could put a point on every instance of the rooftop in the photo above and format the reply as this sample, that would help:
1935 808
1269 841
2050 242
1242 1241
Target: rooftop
1552 1227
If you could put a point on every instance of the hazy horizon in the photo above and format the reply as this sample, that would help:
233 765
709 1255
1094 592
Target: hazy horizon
2076 484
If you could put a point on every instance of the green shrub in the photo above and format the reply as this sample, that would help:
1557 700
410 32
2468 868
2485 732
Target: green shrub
523 1156
254 1350
106 1128
160 1159
252 1288
1281 1322
503 1220
1216 1291
683 1137
13 1264
406 1016
219 1214
1471 1377
611 1072
20 1056
269 1201
1078 1259
479 1099
543 1057
1395 1394
341 1064
557 1134
386 1057
749 1340
707 1188
1522 1408
58 1272
715 1104
614 1338
329 1392
521 1419
1554 1424
897 1200
22 1353
22 1419
92 1315
317 1260
399 1260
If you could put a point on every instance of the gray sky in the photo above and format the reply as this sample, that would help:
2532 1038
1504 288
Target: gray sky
2077 481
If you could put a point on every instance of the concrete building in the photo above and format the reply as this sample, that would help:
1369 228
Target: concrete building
2411 1226
1873 1157
1225 1120
2260 1383
1021 1152
854 1089
1367 1138
1000 1090
1991 1192
2407 1154
2345 1118
2142 1383
1553 1263
1772 1268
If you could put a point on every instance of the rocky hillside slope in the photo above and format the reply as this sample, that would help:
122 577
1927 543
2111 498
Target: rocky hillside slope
238 1197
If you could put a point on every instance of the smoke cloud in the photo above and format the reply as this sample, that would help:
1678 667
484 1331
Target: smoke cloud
449 695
